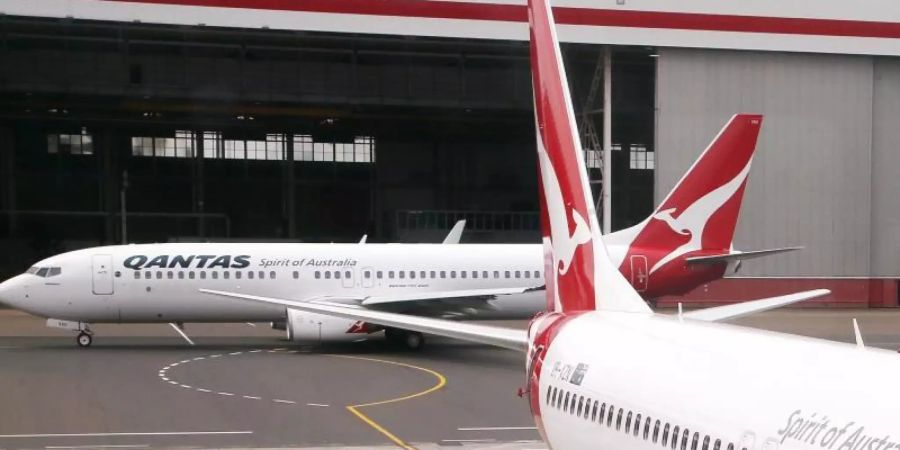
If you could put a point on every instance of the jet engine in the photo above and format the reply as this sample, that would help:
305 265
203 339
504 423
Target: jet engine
320 328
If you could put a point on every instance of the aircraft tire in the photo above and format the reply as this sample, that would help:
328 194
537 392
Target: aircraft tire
84 340
414 340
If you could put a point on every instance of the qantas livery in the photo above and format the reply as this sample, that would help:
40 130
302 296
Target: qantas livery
605 372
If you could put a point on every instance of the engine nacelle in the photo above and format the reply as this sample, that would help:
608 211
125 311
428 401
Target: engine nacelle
321 328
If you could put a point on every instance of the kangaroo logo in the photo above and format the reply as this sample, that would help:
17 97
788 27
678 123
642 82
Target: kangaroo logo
692 221
564 245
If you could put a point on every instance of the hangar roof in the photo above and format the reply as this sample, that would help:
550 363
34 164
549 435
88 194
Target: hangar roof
833 26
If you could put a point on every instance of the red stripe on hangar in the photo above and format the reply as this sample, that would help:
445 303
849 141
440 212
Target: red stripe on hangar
438 9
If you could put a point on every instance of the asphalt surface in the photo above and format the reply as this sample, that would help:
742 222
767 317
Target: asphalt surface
142 386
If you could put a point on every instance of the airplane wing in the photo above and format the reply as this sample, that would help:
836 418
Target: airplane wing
738 256
497 336
455 233
727 312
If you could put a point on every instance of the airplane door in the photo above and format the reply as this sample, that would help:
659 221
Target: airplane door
368 277
639 276
101 265
347 278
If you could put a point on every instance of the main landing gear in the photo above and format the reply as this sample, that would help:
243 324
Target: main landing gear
410 340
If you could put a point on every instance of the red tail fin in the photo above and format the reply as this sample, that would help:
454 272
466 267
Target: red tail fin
701 212
569 221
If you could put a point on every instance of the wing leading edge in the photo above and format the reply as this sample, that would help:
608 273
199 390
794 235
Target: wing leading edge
727 312
483 334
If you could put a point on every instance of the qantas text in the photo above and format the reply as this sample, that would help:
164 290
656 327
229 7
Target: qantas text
138 262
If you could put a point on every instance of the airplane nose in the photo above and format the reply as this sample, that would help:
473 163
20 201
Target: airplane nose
9 292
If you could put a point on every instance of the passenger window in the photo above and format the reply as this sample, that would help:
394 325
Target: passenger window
518 274
148 275
191 274
559 400
656 432
215 275
272 274
337 274
412 274
297 275
137 275
718 445
443 274
602 413
549 392
452 274
665 436
618 417
566 403
474 274
730 446
537 274
462 273
675 432
527 274
422 274
159 274
367 275
347 274
484 274
628 423
237 275
695 441
261 274
226 274
391 274
180 275
402 274
594 411
609 418
379 274
170 275
637 425
580 405
118 274
685 436
706 443
496 274
250 274
647 429
506 274
202 275
432 273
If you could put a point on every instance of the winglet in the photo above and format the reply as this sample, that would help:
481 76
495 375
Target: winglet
455 234
579 262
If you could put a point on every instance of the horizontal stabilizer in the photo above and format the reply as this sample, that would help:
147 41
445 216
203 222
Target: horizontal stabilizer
483 334
739 256
737 310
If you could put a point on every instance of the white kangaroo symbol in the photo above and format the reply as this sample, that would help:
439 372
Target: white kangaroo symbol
692 221
563 244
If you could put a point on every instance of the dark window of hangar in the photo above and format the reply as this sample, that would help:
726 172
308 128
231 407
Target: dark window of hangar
226 134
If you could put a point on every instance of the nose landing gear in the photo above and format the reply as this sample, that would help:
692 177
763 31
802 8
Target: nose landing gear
84 339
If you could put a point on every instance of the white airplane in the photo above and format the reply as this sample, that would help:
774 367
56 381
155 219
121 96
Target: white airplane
604 372
686 242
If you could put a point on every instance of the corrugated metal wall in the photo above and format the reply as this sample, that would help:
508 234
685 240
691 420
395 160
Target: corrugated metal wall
816 179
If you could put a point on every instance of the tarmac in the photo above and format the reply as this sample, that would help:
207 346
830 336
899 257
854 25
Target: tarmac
243 386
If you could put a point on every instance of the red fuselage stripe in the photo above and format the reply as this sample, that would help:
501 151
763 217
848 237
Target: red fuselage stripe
439 9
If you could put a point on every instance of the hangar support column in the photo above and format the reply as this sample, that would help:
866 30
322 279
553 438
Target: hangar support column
8 172
197 183
290 188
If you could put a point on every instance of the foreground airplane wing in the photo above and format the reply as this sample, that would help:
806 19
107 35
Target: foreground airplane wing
497 336
727 312
422 297
738 256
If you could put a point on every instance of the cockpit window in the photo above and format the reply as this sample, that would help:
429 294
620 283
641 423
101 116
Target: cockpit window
44 272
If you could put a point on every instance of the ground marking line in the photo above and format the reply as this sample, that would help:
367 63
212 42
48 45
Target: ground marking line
254 351
278 400
156 433
203 390
494 428
97 446
227 394
468 440
235 353
355 409
318 404
186 386
251 397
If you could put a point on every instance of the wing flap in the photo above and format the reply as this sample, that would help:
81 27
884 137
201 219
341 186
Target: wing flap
496 336
727 312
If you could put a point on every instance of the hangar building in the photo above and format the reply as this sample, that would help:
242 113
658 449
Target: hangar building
322 120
